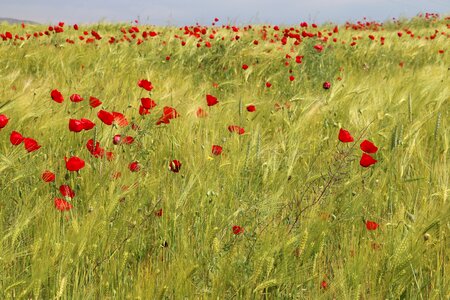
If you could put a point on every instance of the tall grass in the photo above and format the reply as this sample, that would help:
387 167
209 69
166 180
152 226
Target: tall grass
112 246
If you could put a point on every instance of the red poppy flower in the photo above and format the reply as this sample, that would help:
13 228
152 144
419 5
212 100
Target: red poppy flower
326 85
164 119
216 150
74 164
298 59
75 26
244 67
251 108
367 160
148 103
117 139
96 151
128 140
159 213
370 225
368 147
237 129
318 47
237 229
105 117
75 125
120 119
57 96
211 100
76 98
201 113
175 166
87 124
345 136
109 156
31 144
168 114
268 84
48 176
94 102
145 84
324 284
62 205
3 121
66 191
134 166
143 111
16 138
291 78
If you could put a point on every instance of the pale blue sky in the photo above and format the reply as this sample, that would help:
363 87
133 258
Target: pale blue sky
179 12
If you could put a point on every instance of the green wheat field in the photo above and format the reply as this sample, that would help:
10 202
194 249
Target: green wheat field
283 209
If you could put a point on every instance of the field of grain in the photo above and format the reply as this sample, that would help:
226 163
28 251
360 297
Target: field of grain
225 162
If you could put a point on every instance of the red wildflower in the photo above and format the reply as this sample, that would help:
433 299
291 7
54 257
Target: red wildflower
367 160
238 229
268 84
244 67
318 47
175 166
216 150
96 151
134 166
148 103
237 129
345 136
16 138
298 59
74 164
120 119
291 78
31 144
168 114
62 205
66 191
87 124
76 98
201 113
159 213
326 85
94 102
48 176
75 125
3 121
109 156
105 117
368 147
143 111
324 284
128 140
145 84
57 96
117 139
370 225
251 108
211 100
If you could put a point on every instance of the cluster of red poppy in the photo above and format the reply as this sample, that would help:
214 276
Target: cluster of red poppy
365 161
366 146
